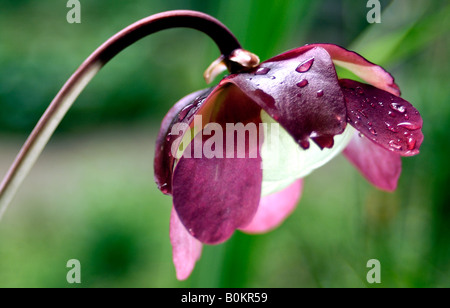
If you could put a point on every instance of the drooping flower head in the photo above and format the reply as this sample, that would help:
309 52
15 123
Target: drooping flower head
319 117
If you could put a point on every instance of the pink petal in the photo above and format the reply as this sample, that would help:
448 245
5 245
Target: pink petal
301 93
379 166
182 111
186 249
275 208
366 70
384 118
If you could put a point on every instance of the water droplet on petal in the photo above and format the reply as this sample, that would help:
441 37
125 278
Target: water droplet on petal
369 123
409 125
372 131
406 116
304 144
164 188
320 93
362 113
359 90
381 104
398 107
411 143
391 127
273 77
302 83
305 66
390 113
262 71
183 113
394 145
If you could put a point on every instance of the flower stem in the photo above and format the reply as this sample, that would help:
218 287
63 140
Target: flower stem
57 109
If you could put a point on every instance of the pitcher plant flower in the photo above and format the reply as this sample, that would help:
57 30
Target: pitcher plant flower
264 127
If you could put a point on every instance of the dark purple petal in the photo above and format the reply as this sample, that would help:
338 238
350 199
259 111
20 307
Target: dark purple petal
384 118
275 208
380 167
186 250
366 70
301 92
182 111
215 196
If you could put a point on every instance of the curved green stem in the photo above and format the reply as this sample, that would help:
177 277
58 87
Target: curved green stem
57 109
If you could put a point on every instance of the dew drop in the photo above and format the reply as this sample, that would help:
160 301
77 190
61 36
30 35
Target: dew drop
381 104
406 116
305 66
409 125
369 123
395 145
359 90
320 93
273 77
183 113
362 113
411 143
164 188
372 131
398 107
262 71
391 127
168 138
304 144
302 83
390 113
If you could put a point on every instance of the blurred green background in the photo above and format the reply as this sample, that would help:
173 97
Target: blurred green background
92 197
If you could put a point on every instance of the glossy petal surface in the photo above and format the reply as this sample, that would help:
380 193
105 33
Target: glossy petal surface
361 67
384 118
301 93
